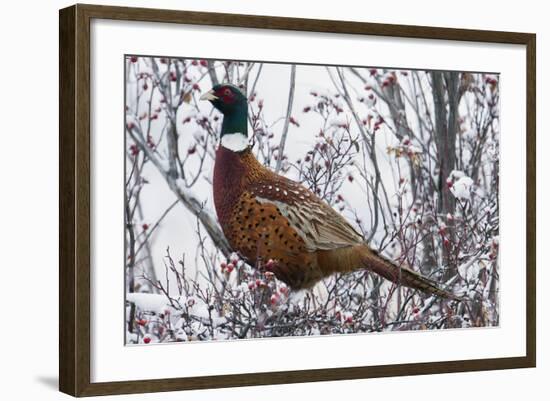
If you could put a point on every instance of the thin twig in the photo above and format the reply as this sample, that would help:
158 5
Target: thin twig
287 119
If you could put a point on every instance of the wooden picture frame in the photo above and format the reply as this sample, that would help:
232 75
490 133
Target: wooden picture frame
75 200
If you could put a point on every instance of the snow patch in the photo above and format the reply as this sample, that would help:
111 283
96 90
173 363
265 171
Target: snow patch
148 302
462 187
460 184
456 174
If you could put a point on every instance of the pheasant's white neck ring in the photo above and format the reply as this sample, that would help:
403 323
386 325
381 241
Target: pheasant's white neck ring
236 142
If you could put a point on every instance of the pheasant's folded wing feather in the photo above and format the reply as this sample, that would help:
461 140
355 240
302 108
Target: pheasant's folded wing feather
320 226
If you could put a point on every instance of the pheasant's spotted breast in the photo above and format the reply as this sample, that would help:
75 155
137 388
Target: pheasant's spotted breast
260 233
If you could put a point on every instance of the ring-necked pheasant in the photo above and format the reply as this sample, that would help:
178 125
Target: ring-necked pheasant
276 223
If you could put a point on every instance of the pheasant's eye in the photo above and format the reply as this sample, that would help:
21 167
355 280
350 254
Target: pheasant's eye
227 92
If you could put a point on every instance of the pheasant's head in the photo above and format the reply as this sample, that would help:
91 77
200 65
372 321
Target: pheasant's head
232 103
227 98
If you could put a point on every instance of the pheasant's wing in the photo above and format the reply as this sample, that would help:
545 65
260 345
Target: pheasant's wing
320 226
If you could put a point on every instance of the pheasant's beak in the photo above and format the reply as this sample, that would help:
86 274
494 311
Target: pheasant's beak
208 96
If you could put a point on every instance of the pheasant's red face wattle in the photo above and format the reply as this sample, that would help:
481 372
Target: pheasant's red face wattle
225 95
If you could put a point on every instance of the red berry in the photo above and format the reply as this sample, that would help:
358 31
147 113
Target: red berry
270 264
150 141
373 71
146 340
134 59
145 226
204 63
134 150
274 299
142 322
260 283
415 310
196 87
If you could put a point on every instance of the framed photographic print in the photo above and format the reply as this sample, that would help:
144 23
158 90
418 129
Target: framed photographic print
346 200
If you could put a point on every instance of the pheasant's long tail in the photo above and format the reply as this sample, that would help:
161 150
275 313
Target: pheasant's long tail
403 275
